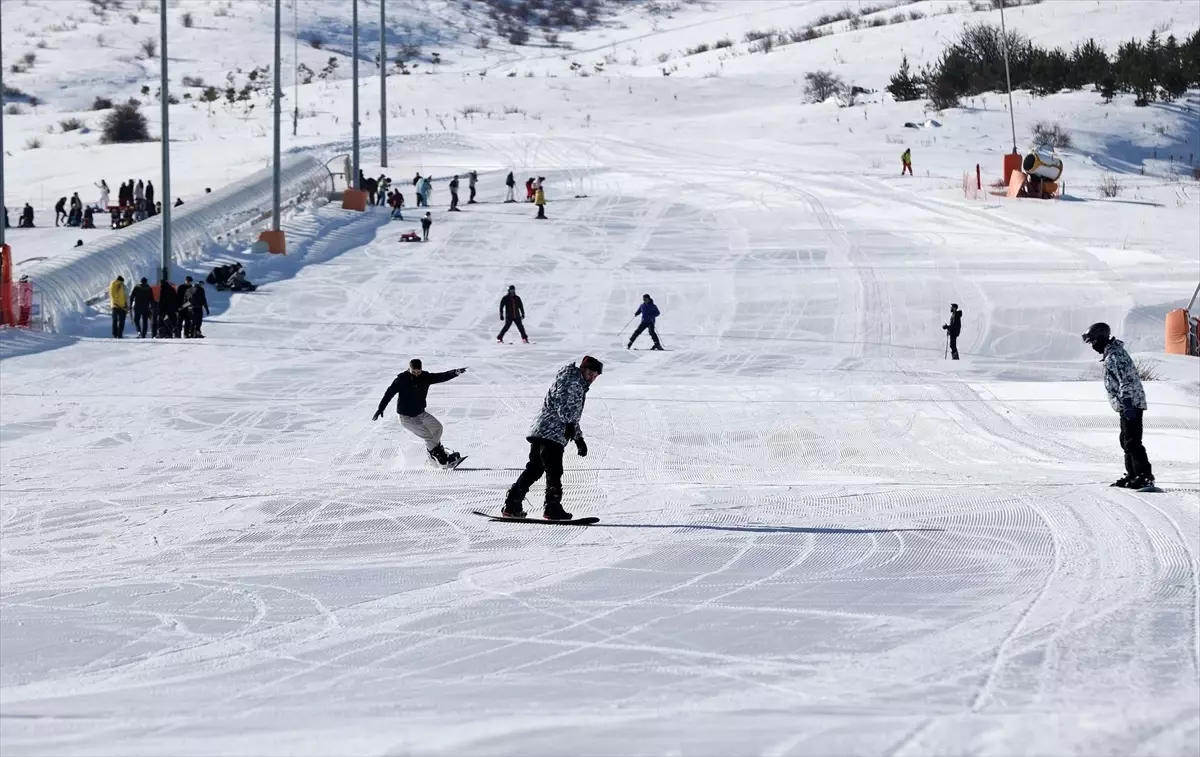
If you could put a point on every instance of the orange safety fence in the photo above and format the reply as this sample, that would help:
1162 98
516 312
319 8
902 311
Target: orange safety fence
20 304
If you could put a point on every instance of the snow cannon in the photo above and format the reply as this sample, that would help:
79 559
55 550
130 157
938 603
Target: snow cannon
1043 165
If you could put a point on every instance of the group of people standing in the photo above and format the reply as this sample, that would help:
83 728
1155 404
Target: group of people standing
166 312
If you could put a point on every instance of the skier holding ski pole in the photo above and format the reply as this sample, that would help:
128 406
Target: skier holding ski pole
649 312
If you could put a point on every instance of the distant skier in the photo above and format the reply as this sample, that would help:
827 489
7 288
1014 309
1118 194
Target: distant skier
556 424
472 180
953 329
539 199
649 313
426 222
512 311
427 189
1127 397
142 301
510 182
906 162
411 388
454 194
119 300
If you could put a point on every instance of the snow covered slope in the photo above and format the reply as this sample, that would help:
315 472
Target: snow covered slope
817 535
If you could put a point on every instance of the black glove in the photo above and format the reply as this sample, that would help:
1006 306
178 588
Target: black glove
378 415
459 371
570 431
945 327
581 447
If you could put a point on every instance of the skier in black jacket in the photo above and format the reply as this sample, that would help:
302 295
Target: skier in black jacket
141 300
167 310
411 389
512 310
197 303
954 328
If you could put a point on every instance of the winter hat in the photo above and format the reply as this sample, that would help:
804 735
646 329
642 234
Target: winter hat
591 364
512 288
120 278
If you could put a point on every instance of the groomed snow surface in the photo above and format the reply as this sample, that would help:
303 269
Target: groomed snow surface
817 537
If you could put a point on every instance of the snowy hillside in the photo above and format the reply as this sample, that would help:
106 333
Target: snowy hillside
818 535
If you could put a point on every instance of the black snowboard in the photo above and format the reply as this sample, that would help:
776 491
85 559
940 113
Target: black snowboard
572 522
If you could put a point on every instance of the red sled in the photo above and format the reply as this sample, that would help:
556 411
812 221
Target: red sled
410 236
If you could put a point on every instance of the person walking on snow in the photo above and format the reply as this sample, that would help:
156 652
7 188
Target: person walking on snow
411 388
142 300
649 313
953 329
556 424
60 210
512 311
197 302
427 189
1128 398
539 199
510 182
454 194
426 222
906 162
119 300
150 197
472 180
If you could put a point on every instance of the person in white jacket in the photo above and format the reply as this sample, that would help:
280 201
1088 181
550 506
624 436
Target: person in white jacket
103 185
139 194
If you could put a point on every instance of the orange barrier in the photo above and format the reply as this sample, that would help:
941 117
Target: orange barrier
1016 182
1012 162
354 199
1176 336
276 243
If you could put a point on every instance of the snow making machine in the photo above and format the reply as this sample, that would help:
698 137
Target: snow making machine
1037 176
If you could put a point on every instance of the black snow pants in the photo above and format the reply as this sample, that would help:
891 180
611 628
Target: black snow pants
643 326
508 323
544 457
1137 462
118 322
141 321
953 346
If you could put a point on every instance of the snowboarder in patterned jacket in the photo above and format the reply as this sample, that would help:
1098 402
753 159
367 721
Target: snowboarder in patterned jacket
953 329
556 424
1128 398
412 389
649 312
512 311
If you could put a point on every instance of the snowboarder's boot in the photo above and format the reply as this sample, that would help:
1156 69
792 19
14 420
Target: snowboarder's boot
453 458
553 509
523 339
512 505
1122 482
438 455
1141 482
499 340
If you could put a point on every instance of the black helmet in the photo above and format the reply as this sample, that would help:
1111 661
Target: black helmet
1098 333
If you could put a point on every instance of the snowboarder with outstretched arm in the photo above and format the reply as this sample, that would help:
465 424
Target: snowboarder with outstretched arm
649 313
1128 398
411 389
953 329
512 311
556 424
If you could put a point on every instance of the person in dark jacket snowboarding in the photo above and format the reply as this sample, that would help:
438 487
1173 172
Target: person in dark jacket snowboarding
953 329
556 424
411 389
649 313
512 311
1128 398
141 300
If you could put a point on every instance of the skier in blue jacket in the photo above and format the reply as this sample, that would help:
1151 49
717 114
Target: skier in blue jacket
649 312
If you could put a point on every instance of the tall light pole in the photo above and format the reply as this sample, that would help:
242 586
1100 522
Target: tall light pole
383 83
2 140
278 108
296 66
354 81
165 96
1004 46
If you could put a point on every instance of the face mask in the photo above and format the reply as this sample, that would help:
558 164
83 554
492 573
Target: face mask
1098 347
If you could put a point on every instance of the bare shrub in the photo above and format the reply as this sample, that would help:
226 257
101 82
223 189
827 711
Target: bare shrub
664 57
700 48
29 58
1051 133
723 43
101 103
764 45
149 47
1147 370
14 109
133 19
70 124
1109 186
915 15
193 81
819 86
125 123
34 143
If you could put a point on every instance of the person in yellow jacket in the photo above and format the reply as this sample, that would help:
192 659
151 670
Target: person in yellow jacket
119 299
906 162
539 199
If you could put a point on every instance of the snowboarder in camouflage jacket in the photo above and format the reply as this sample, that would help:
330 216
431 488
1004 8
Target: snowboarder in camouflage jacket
1128 398
556 424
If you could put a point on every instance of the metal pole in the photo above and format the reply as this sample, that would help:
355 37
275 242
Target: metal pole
296 65
354 82
1008 78
278 108
2 203
165 274
383 83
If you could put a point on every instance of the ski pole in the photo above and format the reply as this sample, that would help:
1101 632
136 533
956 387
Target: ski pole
622 331
946 352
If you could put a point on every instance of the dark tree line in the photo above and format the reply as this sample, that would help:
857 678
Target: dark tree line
1156 69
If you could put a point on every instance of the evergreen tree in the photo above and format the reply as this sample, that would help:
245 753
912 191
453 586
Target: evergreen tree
904 86
1191 59
1090 64
1173 79
1108 88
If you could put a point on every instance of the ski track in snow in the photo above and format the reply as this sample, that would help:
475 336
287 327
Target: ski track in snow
816 537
